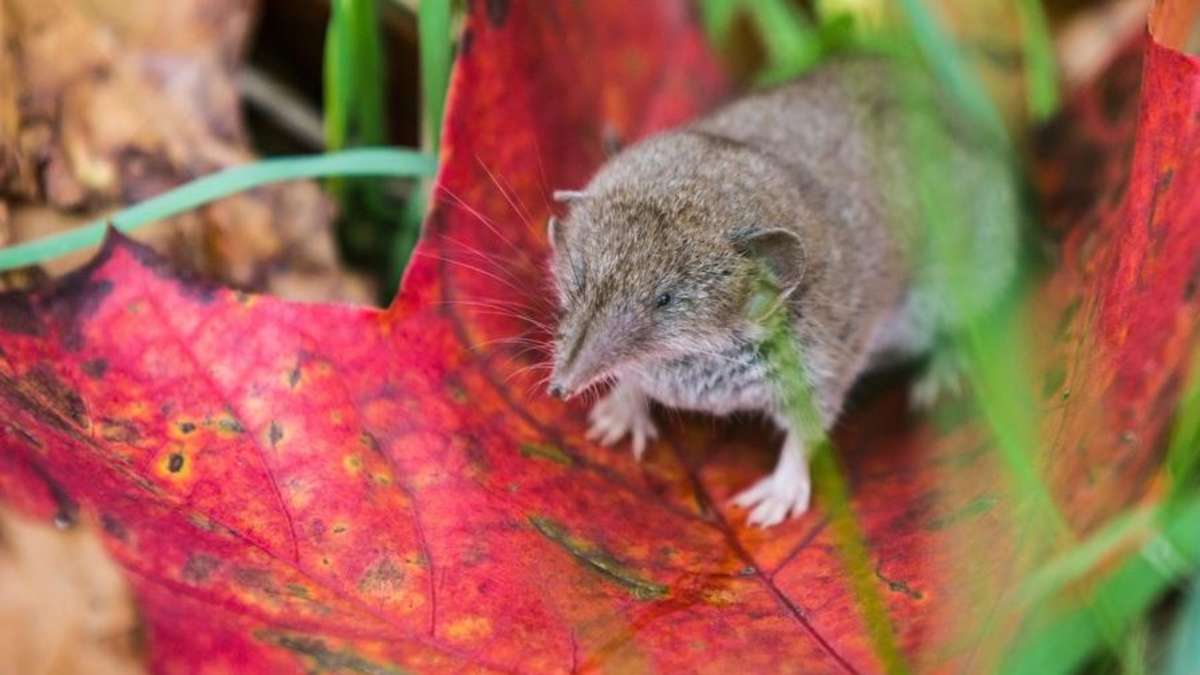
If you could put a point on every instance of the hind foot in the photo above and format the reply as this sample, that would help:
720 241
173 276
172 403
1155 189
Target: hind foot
942 378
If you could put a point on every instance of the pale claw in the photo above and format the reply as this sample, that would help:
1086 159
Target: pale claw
771 501
625 411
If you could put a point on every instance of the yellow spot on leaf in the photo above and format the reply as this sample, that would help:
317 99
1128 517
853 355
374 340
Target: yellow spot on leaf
469 628
352 463
719 596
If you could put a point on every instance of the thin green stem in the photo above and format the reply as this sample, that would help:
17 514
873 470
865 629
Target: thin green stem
786 362
362 162
1041 72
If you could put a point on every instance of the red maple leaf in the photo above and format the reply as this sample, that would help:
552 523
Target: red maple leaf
314 487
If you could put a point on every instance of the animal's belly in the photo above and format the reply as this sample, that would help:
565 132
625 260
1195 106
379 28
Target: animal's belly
721 384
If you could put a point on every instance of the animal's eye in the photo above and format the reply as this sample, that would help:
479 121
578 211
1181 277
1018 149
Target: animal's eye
663 300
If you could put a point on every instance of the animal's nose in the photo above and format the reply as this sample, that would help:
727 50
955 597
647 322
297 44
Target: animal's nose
557 391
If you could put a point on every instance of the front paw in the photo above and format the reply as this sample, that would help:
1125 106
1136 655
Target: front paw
623 413
772 499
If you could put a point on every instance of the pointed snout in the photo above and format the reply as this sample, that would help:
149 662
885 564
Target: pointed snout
578 370
565 387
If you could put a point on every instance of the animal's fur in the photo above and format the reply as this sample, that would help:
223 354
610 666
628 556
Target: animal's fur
655 263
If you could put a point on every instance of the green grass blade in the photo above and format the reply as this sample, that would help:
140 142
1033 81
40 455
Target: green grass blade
1063 639
363 162
1085 557
793 44
856 18
1183 655
337 76
1183 453
437 51
1041 72
718 17
367 95
433 23
353 75
942 54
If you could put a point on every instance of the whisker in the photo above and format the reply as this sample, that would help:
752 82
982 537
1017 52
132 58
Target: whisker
488 222
537 153
504 192
473 268
519 270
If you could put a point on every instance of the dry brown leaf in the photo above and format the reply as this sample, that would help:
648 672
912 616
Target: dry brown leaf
64 606
115 102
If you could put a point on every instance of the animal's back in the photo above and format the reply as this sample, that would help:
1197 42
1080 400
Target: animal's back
846 130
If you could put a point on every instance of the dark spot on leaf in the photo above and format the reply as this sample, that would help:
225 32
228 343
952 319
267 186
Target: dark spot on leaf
316 528
598 560
119 431
497 11
199 567
369 441
275 433
323 659
294 377
231 425
384 577
95 368
46 397
898 586
976 507
1054 380
17 316
1193 282
113 526
546 452
1068 316
187 427
175 462
255 578
29 438
73 303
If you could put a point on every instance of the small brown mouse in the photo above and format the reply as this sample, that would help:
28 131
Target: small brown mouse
658 257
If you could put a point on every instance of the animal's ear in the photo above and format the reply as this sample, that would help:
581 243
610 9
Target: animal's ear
554 233
780 251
